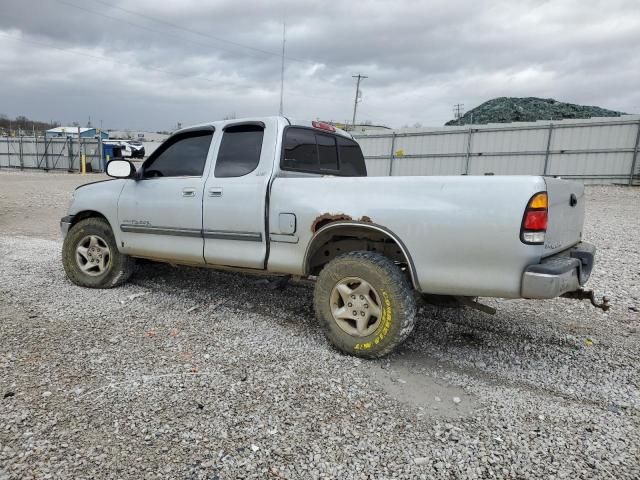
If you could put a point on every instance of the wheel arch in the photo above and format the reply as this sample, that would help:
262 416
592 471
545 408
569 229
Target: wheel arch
356 230
84 214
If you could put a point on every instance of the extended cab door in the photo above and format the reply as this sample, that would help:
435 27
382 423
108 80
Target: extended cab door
236 193
160 214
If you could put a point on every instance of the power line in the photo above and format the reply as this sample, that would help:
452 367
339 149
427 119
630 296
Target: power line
195 32
144 27
138 66
107 59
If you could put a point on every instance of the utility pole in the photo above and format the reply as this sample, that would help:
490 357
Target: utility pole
357 99
458 109
284 32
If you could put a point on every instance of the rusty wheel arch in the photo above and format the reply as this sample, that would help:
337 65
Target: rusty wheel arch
327 229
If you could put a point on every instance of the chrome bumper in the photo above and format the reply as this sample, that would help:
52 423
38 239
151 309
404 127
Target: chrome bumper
65 224
559 274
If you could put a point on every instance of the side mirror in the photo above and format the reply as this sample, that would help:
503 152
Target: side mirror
121 169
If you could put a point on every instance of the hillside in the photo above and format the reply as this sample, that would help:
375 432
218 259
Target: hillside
529 109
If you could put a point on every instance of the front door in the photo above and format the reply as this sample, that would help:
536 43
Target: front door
235 196
160 215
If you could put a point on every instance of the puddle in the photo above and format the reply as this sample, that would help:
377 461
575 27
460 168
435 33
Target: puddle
411 381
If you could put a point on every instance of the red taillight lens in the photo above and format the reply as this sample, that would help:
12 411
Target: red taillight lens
535 220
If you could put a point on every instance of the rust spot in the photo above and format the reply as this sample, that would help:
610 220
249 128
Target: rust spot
327 218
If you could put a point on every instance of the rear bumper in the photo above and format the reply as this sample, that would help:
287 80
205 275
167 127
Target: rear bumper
565 272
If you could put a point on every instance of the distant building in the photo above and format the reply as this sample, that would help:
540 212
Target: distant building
64 132
139 135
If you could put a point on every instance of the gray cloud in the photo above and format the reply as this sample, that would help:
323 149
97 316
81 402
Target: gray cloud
68 59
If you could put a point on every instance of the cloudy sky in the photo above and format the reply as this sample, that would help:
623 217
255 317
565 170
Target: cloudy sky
148 64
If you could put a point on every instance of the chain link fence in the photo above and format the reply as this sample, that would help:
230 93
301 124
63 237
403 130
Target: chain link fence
51 153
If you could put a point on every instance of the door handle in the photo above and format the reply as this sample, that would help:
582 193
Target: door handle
188 192
215 192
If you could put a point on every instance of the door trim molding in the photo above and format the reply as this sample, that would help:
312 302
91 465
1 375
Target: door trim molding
193 232
233 235
178 232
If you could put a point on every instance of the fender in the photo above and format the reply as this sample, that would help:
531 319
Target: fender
315 240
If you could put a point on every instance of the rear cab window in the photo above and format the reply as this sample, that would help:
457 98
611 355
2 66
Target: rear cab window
311 151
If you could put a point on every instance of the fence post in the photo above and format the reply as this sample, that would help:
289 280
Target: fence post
391 154
103 165
635 156
35 139
8 153
546 155
468 156
46 153
70 153
20 154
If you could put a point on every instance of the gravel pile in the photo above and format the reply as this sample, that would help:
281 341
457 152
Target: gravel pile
529 109
190 373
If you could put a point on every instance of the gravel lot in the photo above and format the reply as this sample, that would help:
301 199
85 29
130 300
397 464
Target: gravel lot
135 382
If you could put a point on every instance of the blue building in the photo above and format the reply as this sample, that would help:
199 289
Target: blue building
64 132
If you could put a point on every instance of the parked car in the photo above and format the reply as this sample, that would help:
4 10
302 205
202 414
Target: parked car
293 198
128 148
133 149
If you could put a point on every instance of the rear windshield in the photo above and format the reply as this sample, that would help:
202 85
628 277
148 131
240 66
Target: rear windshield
308 150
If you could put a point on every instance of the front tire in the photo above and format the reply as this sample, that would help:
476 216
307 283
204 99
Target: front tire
365 304
90 256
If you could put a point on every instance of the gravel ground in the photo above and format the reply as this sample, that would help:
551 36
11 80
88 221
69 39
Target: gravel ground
135 382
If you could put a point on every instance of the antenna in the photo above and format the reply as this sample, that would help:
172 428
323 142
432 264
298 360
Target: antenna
284 33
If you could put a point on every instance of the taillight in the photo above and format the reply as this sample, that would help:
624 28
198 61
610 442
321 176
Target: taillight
323 126
534 221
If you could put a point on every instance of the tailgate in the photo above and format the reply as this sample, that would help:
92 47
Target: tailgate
566 214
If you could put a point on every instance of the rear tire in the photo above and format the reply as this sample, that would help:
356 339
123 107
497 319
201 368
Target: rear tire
365 304
91 258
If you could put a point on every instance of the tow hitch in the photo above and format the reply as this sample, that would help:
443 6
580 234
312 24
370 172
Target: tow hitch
582 294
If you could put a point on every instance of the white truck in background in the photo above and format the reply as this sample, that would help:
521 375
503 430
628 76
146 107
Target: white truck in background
128 148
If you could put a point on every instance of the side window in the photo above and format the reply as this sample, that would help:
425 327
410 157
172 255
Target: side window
351 159
183 157
300 150
239 152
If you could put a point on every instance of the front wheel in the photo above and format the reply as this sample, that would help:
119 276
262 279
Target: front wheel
90 256
365 304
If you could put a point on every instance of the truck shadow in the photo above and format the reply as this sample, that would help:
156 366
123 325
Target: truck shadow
512 348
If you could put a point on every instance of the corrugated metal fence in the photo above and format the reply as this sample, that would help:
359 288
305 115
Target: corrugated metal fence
597 150
50 153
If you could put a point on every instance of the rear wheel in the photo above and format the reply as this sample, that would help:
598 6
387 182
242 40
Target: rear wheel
91 258
365 304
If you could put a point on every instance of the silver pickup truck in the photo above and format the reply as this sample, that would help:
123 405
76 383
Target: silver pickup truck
293 198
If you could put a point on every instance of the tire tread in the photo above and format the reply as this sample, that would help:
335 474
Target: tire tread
404 296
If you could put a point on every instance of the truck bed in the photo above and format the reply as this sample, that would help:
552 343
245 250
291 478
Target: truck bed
462 232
